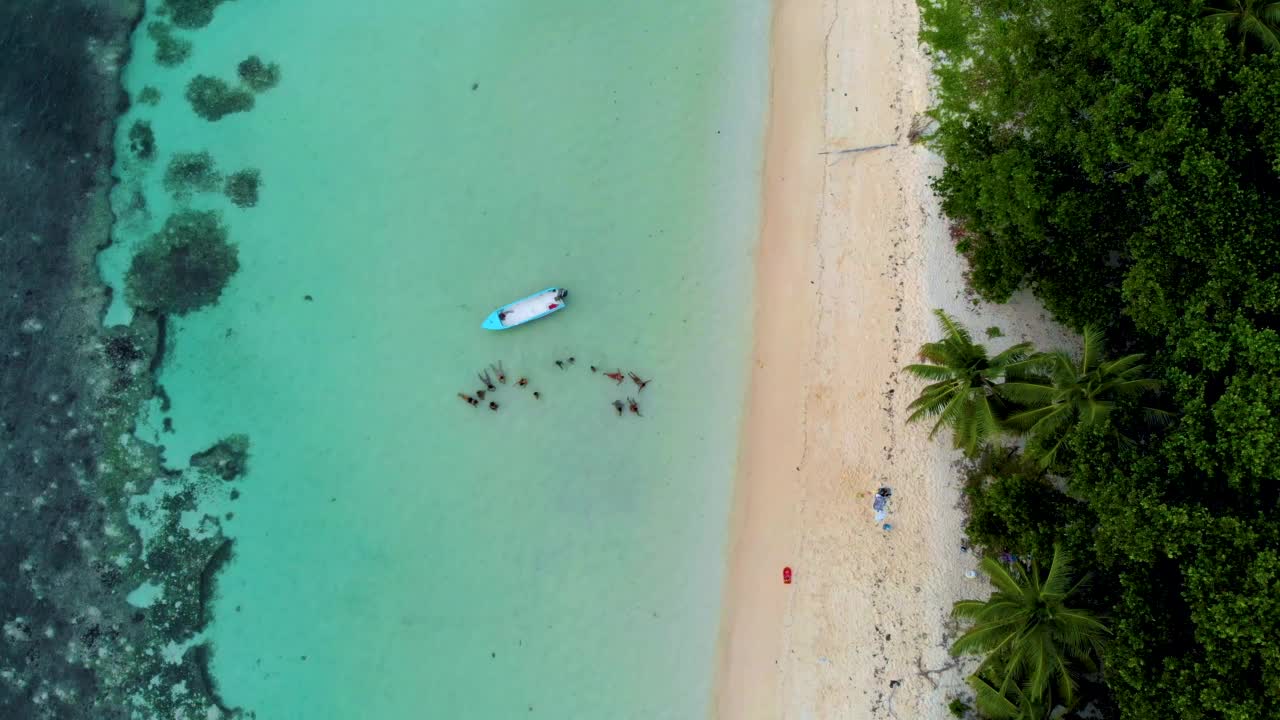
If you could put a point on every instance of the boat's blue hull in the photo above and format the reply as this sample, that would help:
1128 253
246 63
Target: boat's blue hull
493 323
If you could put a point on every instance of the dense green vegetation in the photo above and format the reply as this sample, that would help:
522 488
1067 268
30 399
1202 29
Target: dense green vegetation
1122 160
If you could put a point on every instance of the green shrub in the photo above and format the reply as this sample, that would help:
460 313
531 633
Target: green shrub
259 76
213 98
184 267
958 707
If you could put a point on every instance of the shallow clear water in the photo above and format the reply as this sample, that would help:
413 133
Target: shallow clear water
398 553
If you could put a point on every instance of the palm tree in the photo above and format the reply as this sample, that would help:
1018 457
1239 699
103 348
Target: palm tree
1259 19
1031 639
1058 390
963 393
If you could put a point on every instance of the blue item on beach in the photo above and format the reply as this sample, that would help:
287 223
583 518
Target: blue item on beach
887 526
539 304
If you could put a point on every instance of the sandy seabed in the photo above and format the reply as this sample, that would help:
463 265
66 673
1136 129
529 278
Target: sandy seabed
854 256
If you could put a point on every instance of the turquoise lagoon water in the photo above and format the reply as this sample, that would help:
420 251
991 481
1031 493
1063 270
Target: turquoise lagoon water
400 554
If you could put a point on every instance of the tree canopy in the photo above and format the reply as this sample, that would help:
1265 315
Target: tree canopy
1122 160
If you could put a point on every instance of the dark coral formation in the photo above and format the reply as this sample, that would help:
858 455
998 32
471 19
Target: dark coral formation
149 95
191 14
191 172
228 459
142 140
71 646
171 50
259 76
184 267
213 98
242 187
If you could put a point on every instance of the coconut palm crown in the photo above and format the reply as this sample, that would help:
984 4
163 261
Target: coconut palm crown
1257 19
1057 390
963 395
1033 642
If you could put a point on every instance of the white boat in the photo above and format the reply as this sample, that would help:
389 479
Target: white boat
537 305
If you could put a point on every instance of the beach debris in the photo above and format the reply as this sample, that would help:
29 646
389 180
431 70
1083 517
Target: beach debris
971 574
522 382
488 381
864 148
493 405
636 379
786 575
635 408
615 376
470 400
881 503
497 370
617 405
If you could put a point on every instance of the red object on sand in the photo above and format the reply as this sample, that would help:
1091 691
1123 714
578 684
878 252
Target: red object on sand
786 576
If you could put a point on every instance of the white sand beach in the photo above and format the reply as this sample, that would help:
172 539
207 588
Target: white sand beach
853 258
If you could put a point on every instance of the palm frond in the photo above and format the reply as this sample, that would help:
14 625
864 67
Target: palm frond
1055 583
1092 352
936 373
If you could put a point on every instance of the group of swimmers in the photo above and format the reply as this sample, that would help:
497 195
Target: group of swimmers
500 374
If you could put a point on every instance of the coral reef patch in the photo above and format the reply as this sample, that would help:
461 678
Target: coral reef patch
184 267
190 14
242 187
142 140
213 98
149 95
171 50
257 75
73 647
189 173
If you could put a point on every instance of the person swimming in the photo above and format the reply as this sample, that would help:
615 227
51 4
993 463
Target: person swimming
522 382
615 376
636 379
635 408
502 374
493 405
488 381
560 364
537 395
470 400
617 405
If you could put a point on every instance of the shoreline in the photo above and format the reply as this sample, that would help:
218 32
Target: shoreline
852 259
